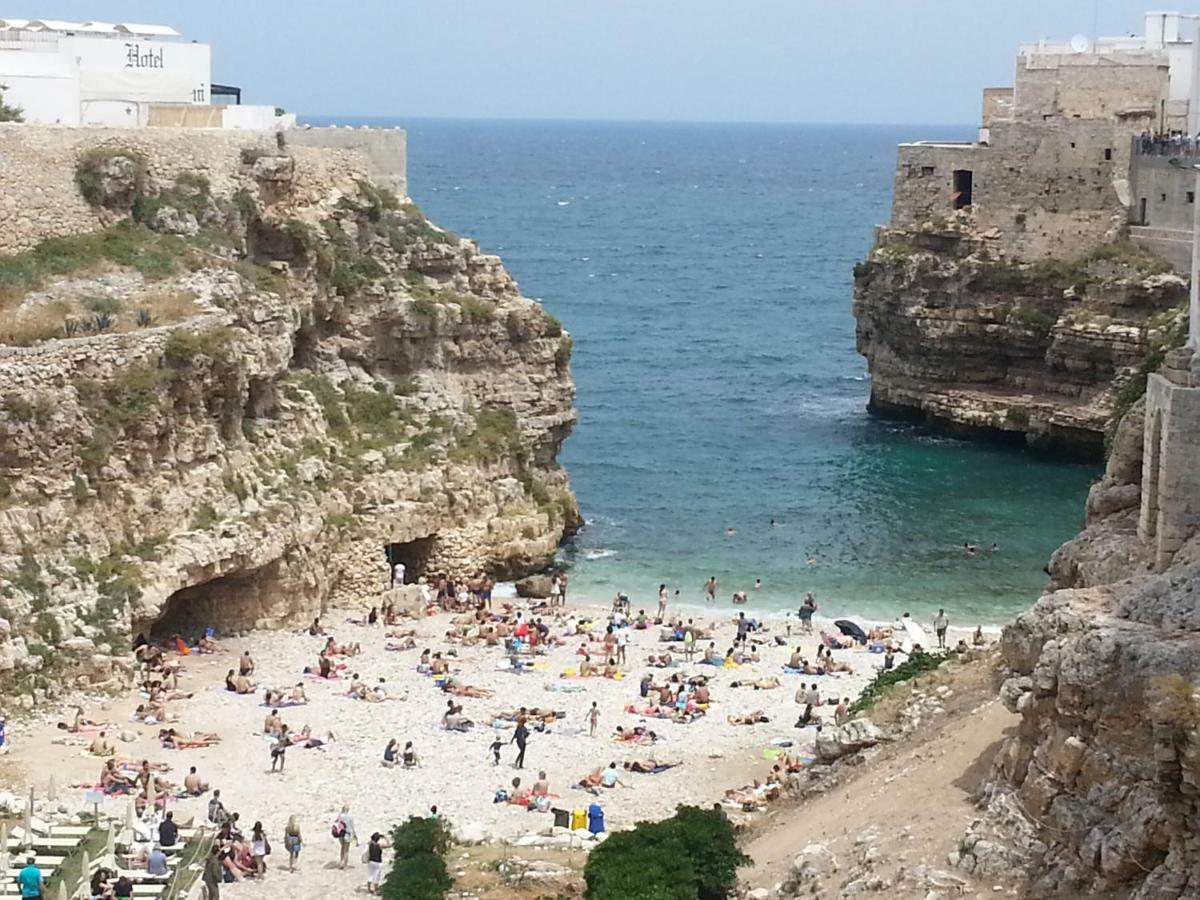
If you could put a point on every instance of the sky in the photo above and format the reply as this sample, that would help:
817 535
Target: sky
862 61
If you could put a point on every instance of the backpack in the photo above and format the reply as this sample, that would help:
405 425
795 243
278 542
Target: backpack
338 829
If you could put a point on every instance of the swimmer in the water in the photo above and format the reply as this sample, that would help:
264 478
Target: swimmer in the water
757 583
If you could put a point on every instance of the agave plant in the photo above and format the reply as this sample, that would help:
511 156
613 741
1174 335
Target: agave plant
71 327
144 318
102 322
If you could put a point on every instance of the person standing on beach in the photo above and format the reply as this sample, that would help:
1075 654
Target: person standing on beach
940 624
374 863
343 830
282 740
807 608
30 879
292 842
520 736
710 589
593 718
398 571
562 586
622 643
662 603
555 590
213 873
689 642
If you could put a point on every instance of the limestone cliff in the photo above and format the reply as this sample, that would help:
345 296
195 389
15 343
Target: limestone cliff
224 405
961 337
1099 790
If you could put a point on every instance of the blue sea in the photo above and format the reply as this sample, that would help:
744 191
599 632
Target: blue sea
705 274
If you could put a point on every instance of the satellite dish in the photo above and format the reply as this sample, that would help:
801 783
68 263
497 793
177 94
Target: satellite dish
1080 44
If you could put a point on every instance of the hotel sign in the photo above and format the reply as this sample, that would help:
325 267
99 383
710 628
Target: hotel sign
140 56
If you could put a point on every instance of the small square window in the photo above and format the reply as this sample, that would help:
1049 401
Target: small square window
1191 196
926 171
1108 154
1072 145
1164 197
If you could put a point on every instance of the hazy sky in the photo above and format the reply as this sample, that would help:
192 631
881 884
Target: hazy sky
758 60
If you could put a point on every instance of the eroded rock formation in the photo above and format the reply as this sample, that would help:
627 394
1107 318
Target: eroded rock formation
960 337
1099 789
226 410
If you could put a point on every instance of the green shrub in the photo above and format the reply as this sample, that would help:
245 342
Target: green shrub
205 517
691 856
9 112
48 627
475 309
184 346
418 870
245 204
496 435
250 155
90 164
915 665
124 244
1032 318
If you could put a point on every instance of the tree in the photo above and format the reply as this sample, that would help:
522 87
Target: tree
418 869
8 112
691 856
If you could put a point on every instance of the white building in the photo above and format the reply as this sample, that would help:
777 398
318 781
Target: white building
98 73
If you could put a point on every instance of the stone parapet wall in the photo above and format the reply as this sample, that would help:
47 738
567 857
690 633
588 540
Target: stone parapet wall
39 198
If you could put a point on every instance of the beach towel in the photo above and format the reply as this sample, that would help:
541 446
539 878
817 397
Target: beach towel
564 688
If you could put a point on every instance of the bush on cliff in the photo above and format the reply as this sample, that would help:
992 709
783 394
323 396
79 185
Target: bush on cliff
691 856
9 112
915 665
418 868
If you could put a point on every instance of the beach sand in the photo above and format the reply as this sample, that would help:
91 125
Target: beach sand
456 772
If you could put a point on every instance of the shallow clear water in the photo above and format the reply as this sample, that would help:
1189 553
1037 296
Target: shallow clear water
705 273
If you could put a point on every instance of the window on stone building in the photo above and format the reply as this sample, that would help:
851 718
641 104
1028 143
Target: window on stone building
1191 196
963 188
1164 197
926 171
1108 154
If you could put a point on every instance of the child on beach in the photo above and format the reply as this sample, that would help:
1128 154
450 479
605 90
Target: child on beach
593 718
496 747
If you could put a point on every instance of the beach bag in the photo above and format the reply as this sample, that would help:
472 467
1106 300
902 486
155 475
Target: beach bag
501 796
339 829
578 819
562 818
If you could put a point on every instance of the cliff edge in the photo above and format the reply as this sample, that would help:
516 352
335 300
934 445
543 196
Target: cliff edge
966 339
248 384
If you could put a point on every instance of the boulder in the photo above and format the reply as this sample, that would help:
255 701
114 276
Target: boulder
273 168
536 587
855 735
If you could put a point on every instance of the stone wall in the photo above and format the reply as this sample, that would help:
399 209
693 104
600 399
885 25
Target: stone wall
39 199
386 150
997 106
1122 86
1053 188
1170 508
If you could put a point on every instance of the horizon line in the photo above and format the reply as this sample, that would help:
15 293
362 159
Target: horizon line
580 120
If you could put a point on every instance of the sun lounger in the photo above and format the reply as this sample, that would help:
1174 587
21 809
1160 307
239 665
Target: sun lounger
50 843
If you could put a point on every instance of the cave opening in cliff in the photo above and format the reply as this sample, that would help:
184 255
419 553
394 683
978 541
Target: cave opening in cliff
413 555
249 599
964 187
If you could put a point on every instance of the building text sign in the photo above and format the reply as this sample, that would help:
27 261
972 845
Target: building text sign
139 56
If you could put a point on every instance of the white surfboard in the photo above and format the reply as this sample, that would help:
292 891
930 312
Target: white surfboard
916 634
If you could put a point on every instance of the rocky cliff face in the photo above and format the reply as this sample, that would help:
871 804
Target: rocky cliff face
1100 788
222 409
962 338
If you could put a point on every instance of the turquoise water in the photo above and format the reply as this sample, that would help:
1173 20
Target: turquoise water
705 273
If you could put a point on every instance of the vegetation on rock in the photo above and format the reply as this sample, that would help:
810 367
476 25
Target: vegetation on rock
691 856
419 867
